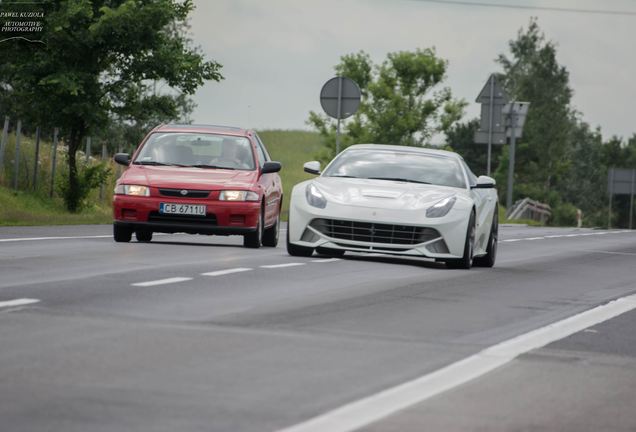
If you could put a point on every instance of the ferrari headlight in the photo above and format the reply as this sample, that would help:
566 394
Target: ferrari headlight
238 195
135 190
441 208
314 197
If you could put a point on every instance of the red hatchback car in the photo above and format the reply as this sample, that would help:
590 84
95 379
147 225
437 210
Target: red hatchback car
199 179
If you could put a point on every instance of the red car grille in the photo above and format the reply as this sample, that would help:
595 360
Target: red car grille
209 219
190 193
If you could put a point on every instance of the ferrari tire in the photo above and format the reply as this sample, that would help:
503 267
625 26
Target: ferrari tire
329 252
466 261
488 260
295 250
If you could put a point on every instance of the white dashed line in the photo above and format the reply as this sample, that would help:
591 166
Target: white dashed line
364 412
18 302
162 281
227 271
611 252
53 238
553 236
282 265
326 260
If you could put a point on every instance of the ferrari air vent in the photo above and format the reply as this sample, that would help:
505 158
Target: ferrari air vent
373 232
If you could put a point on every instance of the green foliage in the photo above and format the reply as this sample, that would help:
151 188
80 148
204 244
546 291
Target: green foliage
99 64
401 101
90 177
27 208
292 148
460 138
563 214
533 74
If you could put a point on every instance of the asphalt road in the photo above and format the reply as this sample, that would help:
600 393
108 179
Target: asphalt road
194 333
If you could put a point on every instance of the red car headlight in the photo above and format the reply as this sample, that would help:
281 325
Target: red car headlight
135 190
238 195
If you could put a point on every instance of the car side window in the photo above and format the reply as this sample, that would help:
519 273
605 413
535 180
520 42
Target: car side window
472 178
263 156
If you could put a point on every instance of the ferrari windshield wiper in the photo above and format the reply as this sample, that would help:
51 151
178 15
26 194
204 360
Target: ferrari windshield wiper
342 176
398 179
211 166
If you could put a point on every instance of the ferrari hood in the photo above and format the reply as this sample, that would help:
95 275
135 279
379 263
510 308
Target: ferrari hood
188 178
382 193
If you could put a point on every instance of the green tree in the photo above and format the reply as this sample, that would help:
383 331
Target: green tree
401 101
460 138
98 62
586 176
532 73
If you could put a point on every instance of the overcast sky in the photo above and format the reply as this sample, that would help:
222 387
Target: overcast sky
277 54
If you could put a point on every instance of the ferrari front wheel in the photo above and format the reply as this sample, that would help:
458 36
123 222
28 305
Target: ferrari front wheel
466 261
295 250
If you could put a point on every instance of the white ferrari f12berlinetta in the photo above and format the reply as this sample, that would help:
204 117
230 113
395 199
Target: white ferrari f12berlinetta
396 200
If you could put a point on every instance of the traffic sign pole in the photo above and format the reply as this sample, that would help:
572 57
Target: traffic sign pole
339 114
490 110
631 200
511 161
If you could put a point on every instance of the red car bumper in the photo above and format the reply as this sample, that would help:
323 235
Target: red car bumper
222 217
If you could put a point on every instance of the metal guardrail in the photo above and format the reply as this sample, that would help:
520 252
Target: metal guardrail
529 209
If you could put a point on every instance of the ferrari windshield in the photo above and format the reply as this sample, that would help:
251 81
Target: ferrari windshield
397 166
199 150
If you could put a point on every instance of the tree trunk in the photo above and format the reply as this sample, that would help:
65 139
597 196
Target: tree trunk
73 194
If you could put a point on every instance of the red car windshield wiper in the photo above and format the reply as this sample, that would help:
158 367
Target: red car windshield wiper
211 166
155 163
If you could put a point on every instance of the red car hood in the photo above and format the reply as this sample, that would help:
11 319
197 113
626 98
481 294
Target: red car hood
188 178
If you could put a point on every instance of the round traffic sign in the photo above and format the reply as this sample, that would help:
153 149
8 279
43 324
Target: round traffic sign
340 97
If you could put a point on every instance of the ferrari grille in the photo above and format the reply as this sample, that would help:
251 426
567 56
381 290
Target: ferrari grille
371 232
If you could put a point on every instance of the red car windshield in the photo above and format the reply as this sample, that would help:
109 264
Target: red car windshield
201 150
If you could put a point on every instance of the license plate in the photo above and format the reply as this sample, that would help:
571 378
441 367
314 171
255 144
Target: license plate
182 209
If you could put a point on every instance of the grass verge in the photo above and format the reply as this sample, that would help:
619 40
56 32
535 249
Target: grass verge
23 208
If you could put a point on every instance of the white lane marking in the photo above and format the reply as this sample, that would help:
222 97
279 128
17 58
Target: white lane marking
53 238
20 239
326 260
611 252
162 281
563 235
18 302
369 410
282 265
227 271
